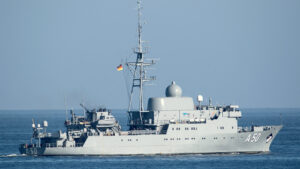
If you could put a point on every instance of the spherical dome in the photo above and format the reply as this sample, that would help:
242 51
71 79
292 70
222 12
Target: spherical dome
173 90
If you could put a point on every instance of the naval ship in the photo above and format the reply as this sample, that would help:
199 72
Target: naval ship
172 124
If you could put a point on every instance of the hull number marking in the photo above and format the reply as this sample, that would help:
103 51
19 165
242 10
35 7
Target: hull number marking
253 137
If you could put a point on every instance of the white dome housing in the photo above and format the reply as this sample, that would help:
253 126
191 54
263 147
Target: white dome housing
200 98
173 90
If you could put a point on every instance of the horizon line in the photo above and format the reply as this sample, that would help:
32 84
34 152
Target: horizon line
10 109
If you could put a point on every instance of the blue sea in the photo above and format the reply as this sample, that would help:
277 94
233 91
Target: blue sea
15 128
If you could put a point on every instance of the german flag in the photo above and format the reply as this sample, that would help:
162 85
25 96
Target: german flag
120 67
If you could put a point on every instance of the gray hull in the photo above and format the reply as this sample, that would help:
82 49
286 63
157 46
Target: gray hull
243 142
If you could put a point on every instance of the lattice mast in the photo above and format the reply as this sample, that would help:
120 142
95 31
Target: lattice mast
137 68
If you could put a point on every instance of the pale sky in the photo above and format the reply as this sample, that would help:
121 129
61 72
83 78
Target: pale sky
236 51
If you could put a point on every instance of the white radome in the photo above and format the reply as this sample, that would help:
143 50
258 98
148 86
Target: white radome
45 123
200 98
173 90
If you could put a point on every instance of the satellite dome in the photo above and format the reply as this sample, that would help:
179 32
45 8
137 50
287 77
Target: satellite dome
173 90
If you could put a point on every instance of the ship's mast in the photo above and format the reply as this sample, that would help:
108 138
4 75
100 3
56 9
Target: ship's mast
140 56
140 48
137 68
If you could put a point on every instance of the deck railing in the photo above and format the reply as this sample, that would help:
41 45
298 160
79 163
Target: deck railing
52 145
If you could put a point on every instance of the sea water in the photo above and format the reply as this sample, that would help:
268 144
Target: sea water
15 128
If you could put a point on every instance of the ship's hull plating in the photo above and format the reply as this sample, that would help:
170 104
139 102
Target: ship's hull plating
243 142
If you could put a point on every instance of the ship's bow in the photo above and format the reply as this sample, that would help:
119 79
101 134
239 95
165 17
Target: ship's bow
270 136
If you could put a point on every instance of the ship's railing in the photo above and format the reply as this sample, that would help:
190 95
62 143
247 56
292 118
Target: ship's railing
51 145
28 145
93 134
253 128
48 145
105 134
244 129
267 128
56 135
44 134
161 122
109 134
179 122
79 145
142 132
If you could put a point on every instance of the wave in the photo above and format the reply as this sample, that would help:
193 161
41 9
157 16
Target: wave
13 155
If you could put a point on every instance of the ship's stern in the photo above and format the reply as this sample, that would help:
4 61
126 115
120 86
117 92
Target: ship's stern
31 149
